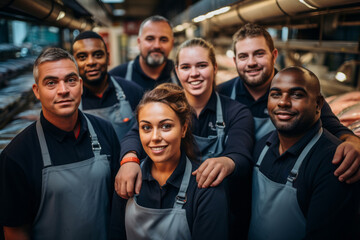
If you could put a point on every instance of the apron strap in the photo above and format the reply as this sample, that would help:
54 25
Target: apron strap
129 71
119 92
220 124
262 155
180 199
173 78
233 92
294 172
43 146
95 144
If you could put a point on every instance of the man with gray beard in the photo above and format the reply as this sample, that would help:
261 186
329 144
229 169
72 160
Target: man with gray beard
152 66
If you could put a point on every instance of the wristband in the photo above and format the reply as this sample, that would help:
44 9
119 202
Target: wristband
129 159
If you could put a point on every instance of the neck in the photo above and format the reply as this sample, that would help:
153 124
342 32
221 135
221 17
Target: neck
198 102
67 124
287 142
162 171
153 72
100 89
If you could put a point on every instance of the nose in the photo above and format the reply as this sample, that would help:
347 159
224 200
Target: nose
251 61
194 71
156 135
62 88
90 60
284 101
157 43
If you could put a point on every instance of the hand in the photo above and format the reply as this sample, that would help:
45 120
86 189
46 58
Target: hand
213 171
128 179
348 154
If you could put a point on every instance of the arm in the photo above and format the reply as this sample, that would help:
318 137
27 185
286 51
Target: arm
17 233
128 179
236 157
348 153
117 221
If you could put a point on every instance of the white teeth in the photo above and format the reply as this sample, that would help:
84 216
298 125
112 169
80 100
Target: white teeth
195 83
157 148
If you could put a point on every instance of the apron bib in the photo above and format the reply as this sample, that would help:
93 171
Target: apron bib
120 114
275 211
213 146
167 224
74 197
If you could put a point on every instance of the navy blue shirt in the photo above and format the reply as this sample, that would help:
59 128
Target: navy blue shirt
21 164
206 208
144 81
132 92
328 205
258 108
239 129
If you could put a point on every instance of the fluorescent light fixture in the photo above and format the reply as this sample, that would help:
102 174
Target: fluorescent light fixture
113 1
307 4
119 12
179 28
211 14
340 76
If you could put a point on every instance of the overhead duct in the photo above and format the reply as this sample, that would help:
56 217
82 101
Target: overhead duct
47 11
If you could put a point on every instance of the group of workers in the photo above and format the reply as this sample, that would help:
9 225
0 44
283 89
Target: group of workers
260 156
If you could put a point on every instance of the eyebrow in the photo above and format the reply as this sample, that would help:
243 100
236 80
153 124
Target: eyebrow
50 77
291 89
164 120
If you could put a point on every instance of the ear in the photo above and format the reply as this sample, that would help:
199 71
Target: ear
275 54
184 129
319 103
81 84
215 69
138 41
35 89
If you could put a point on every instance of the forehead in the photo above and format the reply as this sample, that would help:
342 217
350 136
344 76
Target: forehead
59 68
251 44
156 111
193 54
88 44
156 29
287 80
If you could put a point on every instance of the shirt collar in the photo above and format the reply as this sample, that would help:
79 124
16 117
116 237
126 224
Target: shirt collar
176 177
296 149
211 104
61 135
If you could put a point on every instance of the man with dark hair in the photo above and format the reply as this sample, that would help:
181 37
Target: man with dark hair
255 56
295 194
111 98
56 176
152 67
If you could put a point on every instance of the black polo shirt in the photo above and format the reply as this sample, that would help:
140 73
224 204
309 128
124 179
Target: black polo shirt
144 81
206 208
258 108
239 129
131 90
328 205
21 164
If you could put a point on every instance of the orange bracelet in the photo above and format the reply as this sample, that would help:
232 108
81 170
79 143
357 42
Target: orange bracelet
129 159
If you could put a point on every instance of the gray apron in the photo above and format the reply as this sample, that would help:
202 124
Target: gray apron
120 114
167 224
130 70
275 211
213 146
262 125
74 197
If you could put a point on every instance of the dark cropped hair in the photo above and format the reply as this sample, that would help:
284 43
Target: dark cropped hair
251 30
173 96
89 34
49 55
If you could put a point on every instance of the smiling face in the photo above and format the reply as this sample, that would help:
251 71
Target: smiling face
160 132
196 71
59 89
294 102
92 60
254 61
155 43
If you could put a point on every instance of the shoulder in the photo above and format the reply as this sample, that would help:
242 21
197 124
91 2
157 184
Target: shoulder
234 109
101 125
226 87
119 70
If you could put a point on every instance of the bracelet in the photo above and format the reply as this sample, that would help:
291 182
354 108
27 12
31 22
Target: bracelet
129 159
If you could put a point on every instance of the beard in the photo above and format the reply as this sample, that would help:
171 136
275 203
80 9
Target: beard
257 81
155 61
95 82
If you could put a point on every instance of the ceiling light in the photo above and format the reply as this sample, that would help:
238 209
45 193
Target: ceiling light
113 1
60 16
340 76
211 14
307 4
119 12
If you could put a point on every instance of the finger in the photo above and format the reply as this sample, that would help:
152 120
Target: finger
350 171
130 186
200 170
339 153
349 158
355 178
219 179
122 191
204 176
138 183
194 172
211 177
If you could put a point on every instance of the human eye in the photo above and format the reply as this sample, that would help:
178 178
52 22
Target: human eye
81 57
166 126
275 94
149 38
99 54
184 67
145 127
242 56
297 94
203 65
260 54
72 81
164 39
50 83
